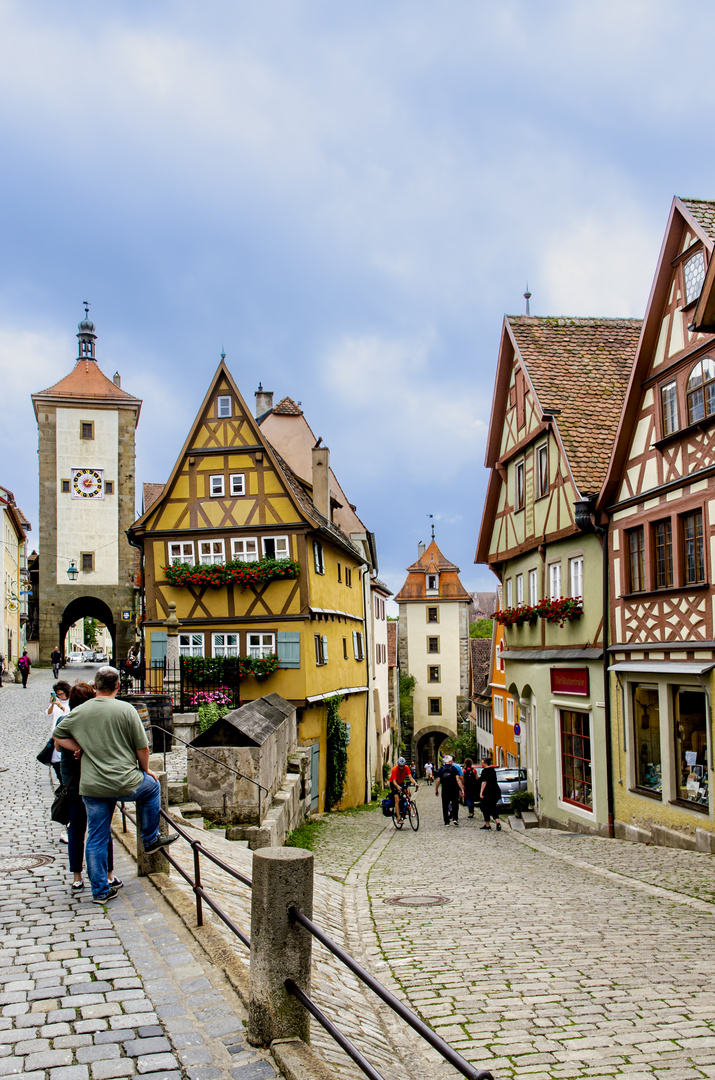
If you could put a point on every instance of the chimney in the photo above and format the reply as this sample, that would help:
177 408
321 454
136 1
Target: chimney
117 379
420 549
264 401
321 480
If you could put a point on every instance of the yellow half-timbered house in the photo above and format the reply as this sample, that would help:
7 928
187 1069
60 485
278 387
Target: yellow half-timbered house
232 498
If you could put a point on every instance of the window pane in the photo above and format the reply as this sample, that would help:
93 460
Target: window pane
555 581
237 484
636 552
669 407
694 276
543 469
533 587
646 738
576 568
520 588
696 406
663 555
691 747
576 758
245 550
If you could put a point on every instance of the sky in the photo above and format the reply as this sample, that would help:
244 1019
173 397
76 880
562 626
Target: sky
346 197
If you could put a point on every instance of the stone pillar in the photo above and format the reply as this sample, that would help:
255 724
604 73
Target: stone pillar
172 678
280 949
154 863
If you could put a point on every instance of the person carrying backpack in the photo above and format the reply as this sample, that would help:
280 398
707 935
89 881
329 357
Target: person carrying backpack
470 780
24 666
450 780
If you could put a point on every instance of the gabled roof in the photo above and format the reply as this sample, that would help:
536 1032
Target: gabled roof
699 216
150 494
250 725
481 653
380 586
486 602
88 381
287 407
432 561
581 368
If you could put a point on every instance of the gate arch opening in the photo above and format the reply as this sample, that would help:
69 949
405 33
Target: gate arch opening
88 607
428 744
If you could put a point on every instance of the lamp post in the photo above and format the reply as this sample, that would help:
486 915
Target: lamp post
72 571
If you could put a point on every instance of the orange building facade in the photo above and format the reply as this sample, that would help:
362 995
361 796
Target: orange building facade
505 709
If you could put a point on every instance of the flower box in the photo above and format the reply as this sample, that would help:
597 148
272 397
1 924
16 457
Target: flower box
565 609
245 574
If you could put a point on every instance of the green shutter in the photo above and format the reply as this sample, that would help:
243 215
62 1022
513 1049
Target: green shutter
288 649
325 649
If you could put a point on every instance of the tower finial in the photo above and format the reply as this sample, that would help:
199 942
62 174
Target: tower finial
86 308
527 297
223 353
432 517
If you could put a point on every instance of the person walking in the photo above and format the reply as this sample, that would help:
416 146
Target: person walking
59 706
450 780
429 773
24 666
70 769
470 780
490 794
2 666
112 742
56 661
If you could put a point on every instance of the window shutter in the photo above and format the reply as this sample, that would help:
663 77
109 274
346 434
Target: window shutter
325 649
355 645
288 649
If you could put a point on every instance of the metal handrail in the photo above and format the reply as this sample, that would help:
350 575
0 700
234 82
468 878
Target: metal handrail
422 1029
335 1033
198 750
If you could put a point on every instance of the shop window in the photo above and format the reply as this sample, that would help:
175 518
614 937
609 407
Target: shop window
646 738
542 466
576 758
693 548
669 407
636 559
691 747
519 485
701 390
663 539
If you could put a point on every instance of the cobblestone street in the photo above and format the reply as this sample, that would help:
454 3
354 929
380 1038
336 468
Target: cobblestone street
93 992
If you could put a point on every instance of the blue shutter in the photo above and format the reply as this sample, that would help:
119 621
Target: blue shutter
158 648
325 649
288 649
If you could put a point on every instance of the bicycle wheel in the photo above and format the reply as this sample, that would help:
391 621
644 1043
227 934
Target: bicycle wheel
395 822
414 816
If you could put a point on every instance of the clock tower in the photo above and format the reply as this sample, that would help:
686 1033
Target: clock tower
87 426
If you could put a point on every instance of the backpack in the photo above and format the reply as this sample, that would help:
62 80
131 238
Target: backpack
387 806
23 663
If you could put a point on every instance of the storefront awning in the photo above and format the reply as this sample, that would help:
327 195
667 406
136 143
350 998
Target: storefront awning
654 667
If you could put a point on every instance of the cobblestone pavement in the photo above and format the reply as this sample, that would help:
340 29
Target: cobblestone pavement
89 991
554 956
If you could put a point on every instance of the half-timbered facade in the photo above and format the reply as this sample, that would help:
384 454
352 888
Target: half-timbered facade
660 500
559 390
233 499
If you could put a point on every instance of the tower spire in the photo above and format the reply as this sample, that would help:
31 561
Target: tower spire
527 297
86 335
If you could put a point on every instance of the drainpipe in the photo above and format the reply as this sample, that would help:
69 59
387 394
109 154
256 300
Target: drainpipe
584 510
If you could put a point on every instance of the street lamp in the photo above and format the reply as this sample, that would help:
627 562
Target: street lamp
72 571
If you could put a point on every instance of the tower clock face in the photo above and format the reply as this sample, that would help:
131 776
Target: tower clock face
87 483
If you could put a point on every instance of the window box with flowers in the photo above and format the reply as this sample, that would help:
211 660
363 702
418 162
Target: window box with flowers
563 610
181 575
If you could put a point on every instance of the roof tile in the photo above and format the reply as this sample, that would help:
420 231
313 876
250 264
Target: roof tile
432 560
86 380
704 213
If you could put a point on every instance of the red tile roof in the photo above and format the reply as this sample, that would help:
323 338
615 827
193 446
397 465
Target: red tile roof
288 407
580 368
151 492
86 380
432 561
704 213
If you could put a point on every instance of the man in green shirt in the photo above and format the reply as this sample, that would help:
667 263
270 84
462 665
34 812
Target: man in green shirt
112 742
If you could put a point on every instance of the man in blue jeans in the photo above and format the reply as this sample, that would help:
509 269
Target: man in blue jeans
112 742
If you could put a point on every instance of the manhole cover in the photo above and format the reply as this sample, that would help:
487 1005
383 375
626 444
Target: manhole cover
418 901
8 863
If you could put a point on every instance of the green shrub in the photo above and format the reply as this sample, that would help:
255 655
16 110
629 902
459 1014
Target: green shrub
521 801
337 754
209 713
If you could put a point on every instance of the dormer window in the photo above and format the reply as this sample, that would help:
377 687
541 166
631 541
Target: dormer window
701 390
432 583
694 277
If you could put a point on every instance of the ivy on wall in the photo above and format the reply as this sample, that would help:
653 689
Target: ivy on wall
337 754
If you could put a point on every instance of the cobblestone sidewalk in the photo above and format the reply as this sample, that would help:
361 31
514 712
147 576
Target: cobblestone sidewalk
91 992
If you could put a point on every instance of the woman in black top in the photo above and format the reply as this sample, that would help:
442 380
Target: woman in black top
490 794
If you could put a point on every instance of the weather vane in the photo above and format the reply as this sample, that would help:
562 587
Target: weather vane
432 517
86 308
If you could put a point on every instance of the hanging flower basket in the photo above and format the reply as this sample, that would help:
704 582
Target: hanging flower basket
263 667
563 610
180 575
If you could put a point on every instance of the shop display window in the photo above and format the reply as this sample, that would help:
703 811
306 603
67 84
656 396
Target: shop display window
691 745
646 738
576 758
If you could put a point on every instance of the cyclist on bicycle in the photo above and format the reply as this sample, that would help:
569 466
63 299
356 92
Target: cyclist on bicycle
400 777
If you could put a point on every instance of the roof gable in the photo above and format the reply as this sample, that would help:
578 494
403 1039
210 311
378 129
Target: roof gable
250 725
432 561
88 382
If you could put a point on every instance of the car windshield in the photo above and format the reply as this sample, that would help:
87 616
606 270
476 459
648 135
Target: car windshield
507 774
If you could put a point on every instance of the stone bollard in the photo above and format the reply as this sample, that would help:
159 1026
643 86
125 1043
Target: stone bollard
154 863
280 950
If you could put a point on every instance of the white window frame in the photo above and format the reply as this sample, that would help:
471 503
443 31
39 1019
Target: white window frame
184 555
432 584
237 483
498 707
321 650
533 587
509 593
217 486
244 556
221 645
318 557
283 540
358 647
191 644
554 580
576 576
261 645
519 484
510 711
217 555
520 588
224 407
542 455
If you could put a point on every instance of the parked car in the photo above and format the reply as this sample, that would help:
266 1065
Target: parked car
510 780
76 658
100 658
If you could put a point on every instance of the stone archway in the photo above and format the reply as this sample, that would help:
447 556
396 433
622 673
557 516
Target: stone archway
92 607
427 742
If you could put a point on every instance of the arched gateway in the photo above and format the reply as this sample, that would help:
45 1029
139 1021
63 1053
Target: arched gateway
86 426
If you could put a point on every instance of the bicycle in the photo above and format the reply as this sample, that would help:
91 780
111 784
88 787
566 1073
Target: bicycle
408 810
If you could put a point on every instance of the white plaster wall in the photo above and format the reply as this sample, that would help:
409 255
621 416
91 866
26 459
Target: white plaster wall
381 676
447 629
88 524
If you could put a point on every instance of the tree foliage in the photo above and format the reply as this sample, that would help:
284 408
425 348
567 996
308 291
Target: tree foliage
337 754
91 626
481 628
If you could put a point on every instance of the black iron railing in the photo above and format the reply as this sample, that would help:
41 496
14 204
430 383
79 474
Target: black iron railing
423 1030
188 687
